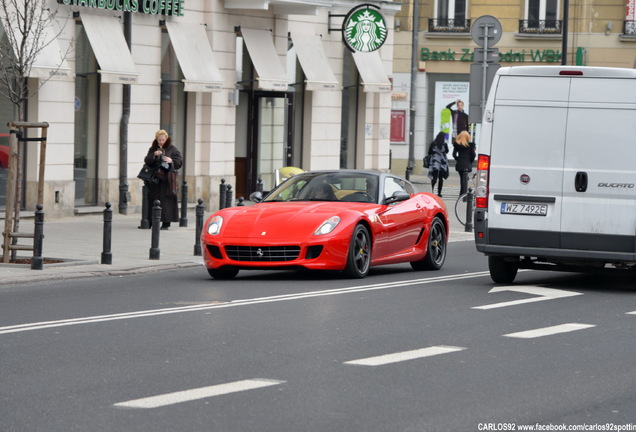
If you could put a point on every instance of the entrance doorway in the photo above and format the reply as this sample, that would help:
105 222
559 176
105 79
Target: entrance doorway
268 142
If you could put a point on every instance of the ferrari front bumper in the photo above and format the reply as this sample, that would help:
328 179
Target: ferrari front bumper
317 253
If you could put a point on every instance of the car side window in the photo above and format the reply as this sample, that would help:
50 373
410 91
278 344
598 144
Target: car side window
391 186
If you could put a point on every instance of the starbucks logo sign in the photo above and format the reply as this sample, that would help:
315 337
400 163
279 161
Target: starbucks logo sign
364 28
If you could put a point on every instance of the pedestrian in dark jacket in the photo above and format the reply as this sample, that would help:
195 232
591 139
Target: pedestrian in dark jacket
460 118
464 155
438 168
166 159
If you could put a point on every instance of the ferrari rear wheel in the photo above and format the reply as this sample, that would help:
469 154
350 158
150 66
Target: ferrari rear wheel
436 250
359 256
223 273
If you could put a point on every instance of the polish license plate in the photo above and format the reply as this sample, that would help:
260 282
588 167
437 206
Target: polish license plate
524 209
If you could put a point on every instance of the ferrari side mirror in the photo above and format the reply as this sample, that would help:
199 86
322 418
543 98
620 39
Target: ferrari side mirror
256 196
397 197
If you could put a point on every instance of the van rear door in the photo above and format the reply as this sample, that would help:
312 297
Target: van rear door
599 177
527 156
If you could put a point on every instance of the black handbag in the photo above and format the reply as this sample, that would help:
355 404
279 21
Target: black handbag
148 174
427 161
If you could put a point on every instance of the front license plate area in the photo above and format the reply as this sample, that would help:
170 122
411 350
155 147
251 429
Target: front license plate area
524 209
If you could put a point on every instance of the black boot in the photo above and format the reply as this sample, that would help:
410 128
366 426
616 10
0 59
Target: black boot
165 225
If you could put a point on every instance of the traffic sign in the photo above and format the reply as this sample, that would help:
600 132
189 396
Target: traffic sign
486 32
493 31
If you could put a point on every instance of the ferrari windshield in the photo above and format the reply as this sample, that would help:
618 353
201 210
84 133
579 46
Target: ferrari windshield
331 186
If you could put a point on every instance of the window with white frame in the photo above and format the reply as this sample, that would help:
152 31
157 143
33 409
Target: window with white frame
450 15
541 15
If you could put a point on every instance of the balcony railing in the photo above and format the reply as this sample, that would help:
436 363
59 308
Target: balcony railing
549 27
448 25
629 28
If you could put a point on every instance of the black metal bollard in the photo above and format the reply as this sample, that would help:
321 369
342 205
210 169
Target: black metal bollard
107 256
228 197
37 262
222 193
198 227
240 202
183 222
470 197
145 223
155 252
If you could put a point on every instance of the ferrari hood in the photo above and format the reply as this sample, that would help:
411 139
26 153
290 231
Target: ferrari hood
279 220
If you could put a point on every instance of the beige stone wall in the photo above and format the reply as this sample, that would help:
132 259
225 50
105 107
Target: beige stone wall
594 25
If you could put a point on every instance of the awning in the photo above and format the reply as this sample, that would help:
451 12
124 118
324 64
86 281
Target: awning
49 62
313 59
374 77
280 7
260 45
195 56
111 50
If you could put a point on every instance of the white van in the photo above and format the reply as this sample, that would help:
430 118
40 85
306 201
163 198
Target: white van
556 179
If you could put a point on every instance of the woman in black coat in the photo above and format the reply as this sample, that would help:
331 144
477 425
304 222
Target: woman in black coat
166 158
464 155
438 167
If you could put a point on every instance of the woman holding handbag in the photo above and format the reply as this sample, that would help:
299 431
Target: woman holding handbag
438 162
166 159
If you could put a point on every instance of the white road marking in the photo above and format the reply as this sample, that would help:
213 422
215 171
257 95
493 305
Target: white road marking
234 303
198 393
542 293
405 355
548 331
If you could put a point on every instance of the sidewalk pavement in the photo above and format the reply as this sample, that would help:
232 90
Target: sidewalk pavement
78 242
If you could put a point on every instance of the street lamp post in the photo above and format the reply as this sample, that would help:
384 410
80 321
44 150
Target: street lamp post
414 70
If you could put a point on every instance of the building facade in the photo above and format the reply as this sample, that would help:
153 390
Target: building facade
599 33
244 87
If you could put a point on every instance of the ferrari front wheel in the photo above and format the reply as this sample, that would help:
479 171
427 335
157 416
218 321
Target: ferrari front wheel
436 250
359 256
223 273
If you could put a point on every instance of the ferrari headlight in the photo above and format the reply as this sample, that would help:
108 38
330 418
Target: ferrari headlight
214 227
328 225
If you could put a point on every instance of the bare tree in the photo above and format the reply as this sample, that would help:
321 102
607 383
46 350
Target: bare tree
29 27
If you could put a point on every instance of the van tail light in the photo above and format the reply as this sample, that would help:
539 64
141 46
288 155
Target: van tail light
571 72
483 172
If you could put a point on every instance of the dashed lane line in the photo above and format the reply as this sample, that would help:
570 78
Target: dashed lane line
549 331
197 393
405 355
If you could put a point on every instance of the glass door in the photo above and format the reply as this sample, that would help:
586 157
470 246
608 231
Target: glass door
271 143
86 119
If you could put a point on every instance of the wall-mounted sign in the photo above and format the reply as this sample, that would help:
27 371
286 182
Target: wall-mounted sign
467 55
152 7
364 28
398 126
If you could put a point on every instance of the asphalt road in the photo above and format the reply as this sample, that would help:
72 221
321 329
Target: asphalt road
279 351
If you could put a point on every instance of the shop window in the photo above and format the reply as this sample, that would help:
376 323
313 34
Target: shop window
8 113
173 97
86 121
541 17
297 78
351 93
450 16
